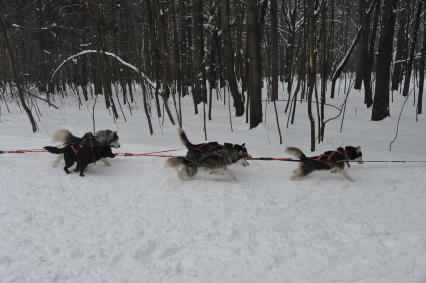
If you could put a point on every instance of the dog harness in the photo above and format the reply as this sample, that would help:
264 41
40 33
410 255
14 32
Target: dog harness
206 147
76 148
329 157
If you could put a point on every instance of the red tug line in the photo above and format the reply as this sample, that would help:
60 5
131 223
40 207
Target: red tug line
159 154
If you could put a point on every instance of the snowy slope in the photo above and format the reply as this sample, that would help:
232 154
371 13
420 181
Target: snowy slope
137 222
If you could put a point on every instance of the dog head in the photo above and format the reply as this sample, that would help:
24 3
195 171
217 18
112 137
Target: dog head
354 153
238 153
107 137
62 136
107 152
113 140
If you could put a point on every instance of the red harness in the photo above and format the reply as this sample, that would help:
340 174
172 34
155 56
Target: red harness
206 147
328 157
76 148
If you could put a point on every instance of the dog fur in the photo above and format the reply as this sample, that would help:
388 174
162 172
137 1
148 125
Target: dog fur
330 160
82 154
100 138
211 157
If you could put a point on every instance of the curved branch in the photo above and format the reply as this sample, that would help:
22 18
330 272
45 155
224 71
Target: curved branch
145 77
399 119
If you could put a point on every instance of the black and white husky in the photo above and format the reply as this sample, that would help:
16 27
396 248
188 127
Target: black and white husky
82 154
212 157
329 160
100 138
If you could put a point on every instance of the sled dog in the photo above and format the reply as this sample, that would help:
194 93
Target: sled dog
329 160
100 138
212 157
82 154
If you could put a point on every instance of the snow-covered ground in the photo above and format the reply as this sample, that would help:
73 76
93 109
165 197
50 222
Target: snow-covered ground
137 222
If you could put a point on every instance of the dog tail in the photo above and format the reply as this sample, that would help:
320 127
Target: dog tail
54 149
297 153
61 136
184 138
174 161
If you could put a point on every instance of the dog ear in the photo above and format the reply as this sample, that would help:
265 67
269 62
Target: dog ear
243 145
358 149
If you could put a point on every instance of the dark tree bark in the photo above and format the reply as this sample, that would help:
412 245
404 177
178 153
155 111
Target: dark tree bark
364 19
381 98
401 44
422 70
324 68
229 55
311 67
412 49
199 93
274 49
363 64
165 57
254 79
368 98
274 60
16 77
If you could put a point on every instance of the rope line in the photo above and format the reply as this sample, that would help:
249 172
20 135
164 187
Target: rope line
153 153
161 155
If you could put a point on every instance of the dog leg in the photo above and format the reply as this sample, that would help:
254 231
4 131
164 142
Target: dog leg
57 160
297 174
224 171
243 162
232 174
345 175
186 172
218 172
82 167
68 164
105 161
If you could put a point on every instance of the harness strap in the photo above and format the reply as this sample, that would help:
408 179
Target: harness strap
327 157
75 150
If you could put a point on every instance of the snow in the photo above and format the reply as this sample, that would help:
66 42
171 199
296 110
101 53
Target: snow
137 222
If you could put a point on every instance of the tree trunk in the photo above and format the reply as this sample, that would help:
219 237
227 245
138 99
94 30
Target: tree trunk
412 49
199 92
422 70
368 98
311 68
401 44
229 55
381 98
16 77
254 79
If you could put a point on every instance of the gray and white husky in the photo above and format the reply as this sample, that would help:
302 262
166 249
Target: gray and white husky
100 138
212 157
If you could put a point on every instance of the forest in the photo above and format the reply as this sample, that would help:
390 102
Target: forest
191 141
240 52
